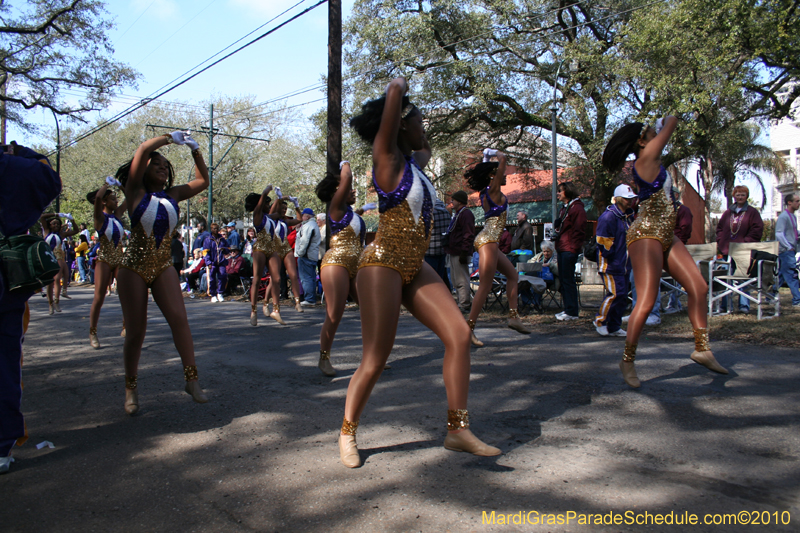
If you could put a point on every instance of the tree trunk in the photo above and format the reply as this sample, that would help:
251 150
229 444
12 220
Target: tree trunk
707 174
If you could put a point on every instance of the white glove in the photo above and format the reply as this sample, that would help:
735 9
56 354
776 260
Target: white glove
62 215
190 142
342 164
369 207
293 199
659 125
66 215
278 192
112 181
178 137
488 154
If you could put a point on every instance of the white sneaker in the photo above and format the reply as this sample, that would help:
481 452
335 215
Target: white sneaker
306 304
618 333
5 464
625 319
566 317
671 310
602 330
652 321
561 314
220 298
214 299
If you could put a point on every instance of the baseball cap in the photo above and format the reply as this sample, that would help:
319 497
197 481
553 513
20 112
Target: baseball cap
624 191
308 211
460 196
231 224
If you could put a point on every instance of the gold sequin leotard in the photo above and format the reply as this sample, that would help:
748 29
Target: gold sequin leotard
153 221
404 228
281 243
494 221
110 250
657 214
347 242
265 237
56 245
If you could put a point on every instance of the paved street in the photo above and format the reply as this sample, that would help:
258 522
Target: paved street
262 454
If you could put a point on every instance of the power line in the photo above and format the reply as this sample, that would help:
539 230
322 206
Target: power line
135 21
146 101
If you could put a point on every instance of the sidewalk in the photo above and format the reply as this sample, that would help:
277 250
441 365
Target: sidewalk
262 454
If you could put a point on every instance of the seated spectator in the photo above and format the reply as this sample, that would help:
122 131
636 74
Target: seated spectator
549 260
194 270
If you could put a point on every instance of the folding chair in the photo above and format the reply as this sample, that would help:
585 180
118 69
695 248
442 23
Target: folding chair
530 284
736 281
588 275
496 293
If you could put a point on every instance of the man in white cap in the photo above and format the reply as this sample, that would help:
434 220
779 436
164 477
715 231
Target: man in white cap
612 261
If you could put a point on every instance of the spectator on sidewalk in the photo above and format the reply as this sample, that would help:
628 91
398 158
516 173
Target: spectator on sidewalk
570 228
306 250
436 256
786 234
234 241
215 249
523 237
460 245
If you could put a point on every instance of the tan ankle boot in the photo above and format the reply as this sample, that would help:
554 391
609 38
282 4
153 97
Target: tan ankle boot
325 363
93 340
472 338
515 323
131 395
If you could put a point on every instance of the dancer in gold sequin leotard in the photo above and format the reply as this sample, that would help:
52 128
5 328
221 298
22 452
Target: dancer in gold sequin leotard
54 234
107 214
153 211
346 231
264 254
652 245
392 272
488 178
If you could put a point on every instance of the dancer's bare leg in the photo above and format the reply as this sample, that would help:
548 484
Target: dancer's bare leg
512 282
132 292
336 285
274 289
259 259
682 267
380 295
291 270
102 279
487 266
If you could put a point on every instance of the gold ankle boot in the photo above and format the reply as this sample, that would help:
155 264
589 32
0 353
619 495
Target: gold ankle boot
626 365
131 395
472 338
702 352
192 386
348 447
276 314
52 308
297 306
93 341
253 315
56 306
515 323
464 440
325 363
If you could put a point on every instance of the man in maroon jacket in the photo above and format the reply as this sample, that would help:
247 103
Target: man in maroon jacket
570 227
740 223
459 247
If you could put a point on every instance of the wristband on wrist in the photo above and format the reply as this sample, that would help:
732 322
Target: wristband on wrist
168 137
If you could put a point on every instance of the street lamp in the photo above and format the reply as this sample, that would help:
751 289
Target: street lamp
58 159
554 110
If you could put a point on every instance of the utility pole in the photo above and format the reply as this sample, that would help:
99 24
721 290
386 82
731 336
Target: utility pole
334 85
58 157
210 163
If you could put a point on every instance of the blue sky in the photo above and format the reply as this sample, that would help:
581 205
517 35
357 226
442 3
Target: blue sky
162 39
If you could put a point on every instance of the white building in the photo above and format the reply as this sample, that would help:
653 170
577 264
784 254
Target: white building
785 140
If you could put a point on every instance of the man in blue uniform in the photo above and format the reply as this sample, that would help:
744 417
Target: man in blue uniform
27 186
214 248
613 263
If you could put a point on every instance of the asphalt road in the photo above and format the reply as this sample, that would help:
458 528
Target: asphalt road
262 454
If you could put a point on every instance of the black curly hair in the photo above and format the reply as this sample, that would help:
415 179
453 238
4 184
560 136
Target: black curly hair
621 145
480 176
367 123
251 201
327 187
124 170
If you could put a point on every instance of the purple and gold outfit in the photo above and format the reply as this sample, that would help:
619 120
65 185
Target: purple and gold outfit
347 242
110 251
494 221
265 236
656 217
281 243
153 222
404 228
56 244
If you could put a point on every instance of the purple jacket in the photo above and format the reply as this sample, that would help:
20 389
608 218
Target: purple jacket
747 227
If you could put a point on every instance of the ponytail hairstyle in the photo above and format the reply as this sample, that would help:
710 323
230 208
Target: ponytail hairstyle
480 176
327 187
92 195
125 169
367 123
622 144
251 201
